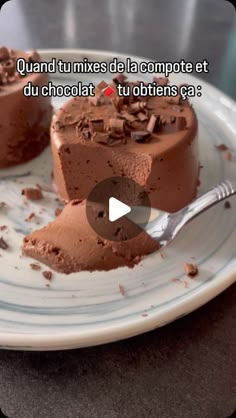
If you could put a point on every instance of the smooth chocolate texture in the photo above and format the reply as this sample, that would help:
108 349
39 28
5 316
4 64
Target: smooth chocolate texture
24 121
69 244
167 165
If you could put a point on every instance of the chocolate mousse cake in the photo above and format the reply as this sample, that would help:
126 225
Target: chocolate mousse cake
24 121
152 140
69 244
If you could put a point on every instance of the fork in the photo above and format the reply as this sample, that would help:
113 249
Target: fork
167 225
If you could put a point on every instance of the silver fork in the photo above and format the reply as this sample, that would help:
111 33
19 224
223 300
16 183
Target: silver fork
167 225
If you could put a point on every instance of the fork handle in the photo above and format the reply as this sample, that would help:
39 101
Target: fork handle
209 199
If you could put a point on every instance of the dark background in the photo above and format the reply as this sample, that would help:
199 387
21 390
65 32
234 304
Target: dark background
186 369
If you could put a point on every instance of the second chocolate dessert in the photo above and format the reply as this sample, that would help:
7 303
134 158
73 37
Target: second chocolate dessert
152 140
24 121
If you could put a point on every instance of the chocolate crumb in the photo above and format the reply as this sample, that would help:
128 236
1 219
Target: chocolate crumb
153 123
3 244
34 266
96 125
190 269
30 217
227 205
32 194
116 125
137 107
3 227
47 275
140 136
222 147
2 205
121 290
144 314
57 211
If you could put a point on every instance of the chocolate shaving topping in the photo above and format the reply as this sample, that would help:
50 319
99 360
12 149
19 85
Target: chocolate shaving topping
96 125
100 137
3 244
140 136
137 107
153 123
142 116
116 125
128 117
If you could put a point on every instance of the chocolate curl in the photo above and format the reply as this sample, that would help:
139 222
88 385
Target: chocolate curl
127 116
116 125
137 107
140 136
96 125
153 123
101 138
119 78
4 54
161 81
181 123
142 116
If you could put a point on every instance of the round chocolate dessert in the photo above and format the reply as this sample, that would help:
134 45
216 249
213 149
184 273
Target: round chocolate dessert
24 121
152 140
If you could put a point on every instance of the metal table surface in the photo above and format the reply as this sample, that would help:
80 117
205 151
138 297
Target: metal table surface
186 369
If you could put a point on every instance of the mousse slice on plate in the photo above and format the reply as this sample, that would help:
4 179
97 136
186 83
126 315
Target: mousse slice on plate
69 244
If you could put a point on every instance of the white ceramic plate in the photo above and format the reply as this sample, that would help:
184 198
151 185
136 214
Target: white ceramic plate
88 308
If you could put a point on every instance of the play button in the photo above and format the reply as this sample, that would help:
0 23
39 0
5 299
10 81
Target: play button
111 209
117 209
